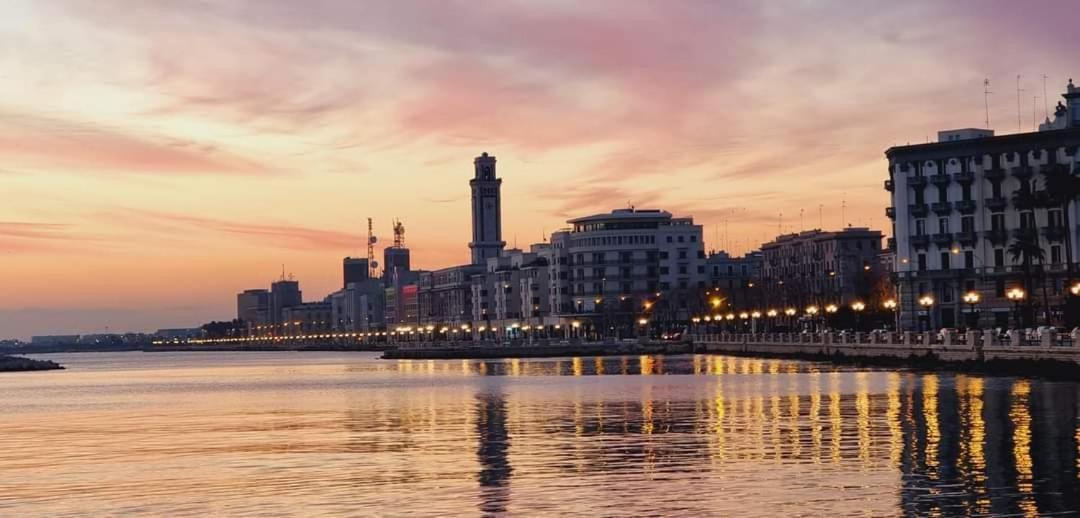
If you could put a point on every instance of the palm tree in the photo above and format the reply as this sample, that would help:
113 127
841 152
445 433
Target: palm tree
1026 250
1060 188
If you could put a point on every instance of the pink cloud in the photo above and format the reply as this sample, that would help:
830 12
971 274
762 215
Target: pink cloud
261 234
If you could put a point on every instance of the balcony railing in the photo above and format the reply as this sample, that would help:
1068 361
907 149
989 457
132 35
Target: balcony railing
920 241
1024 171
919 210
940 179
889 185
967 238
916 181
1054 233
964 177
994 174
996 203
999 236
943 239
942 207
965 206
890 212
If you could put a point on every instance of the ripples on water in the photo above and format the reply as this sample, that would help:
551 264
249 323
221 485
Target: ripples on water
347 434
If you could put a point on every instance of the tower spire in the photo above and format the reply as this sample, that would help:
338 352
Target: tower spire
486 188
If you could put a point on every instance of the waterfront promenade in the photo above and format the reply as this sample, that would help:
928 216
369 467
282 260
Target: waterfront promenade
976 346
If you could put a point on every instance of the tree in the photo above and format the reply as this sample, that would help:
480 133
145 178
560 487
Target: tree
1025 249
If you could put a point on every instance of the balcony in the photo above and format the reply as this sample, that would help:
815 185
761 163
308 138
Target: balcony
942 208
889 185
943 240
965 206
965 177
940 180
997 237
890 244
994 174
919 210
1028 234
996 204
967 238
920 241
1023 172
890 212
1055 233
916 181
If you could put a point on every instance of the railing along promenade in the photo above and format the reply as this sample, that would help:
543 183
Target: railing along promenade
975 345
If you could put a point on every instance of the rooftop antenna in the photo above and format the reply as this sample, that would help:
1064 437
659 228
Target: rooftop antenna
282 271
843 212
1046 100
1034 113
820 219
802 224
986 100
780 224
399 234
1018 90
371 248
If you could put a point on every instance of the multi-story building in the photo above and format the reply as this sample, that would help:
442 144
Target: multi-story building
253 307
283 294
978 213
816 267
307 318
737 279
358 307
354 269
611 269
512 290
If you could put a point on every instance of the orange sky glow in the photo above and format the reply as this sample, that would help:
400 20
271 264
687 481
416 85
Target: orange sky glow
158 157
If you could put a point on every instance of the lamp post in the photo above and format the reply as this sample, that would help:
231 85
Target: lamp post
830 309
791 312
972 299
858 308
891 306
927 302
754 316
1016 295
772 313
812 312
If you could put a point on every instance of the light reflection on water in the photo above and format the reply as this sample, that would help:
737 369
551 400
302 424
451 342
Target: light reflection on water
333 434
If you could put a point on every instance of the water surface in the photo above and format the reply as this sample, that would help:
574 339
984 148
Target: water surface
278 434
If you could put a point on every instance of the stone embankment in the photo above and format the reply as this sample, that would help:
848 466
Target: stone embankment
530 349
18 363
976 350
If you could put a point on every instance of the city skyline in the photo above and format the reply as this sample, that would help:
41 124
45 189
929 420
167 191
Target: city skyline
152 173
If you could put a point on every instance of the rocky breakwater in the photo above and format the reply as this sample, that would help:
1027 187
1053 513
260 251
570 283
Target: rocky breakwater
18 363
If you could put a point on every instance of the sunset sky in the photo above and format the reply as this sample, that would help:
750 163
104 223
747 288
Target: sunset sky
157 157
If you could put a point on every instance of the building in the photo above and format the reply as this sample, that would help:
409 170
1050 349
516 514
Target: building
253 307
358 307
486 211
610 270
54 340
818 267
736 279
354 270
512 290
283 294
978 213
395 261
307 318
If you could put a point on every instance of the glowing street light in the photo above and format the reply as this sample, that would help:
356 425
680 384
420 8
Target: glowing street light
811 310
831 308
858 306
889 304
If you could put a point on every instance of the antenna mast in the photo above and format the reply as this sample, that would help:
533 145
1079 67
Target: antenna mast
986 100
399 234
1046 100
1018 90
371 248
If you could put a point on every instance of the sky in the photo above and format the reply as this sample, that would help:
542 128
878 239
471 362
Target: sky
158 157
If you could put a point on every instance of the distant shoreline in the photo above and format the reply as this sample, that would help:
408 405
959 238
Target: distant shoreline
20 364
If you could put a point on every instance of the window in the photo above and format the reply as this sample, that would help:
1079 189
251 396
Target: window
944 260
682 269
669 239
999 289
663 270
922 262
967 224
1055 254
1027 219
999 257
943 225
997 222
693 239
680 239
1054 219
682 254
969 259
920 227
663 255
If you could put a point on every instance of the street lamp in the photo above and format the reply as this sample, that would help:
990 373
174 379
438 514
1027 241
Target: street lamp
926 301
1016 295
1075 289
858 308
830 309
972 298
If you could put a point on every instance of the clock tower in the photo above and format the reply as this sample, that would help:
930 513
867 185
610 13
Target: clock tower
486 211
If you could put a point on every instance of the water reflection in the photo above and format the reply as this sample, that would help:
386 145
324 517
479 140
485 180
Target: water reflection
685 435
493 451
